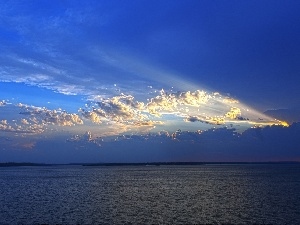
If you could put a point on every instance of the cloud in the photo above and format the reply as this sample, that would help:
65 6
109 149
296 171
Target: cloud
32 129
122 114
196 98
48 82
126 113
29 145
210 108
6 128
52 58
233 113
289 115
52 117
164 102
169 102
40 65
26 119
122 109
148 123
62 118
86 138
92 116
2 103
230 100
272 143
3 122
209 120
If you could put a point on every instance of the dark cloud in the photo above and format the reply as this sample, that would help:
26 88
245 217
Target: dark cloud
289 115
272 143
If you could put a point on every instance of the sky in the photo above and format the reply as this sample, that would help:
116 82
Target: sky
145 81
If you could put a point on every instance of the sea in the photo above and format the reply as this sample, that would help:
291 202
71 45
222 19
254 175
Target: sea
166 194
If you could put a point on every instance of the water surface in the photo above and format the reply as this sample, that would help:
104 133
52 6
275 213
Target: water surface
236 194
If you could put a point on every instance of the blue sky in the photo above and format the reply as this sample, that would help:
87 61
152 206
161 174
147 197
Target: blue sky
93 74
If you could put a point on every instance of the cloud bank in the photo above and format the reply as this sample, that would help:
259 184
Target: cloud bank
123 113
271 143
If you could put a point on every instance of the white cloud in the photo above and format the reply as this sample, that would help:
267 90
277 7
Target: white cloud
32 79
233 113
230 100
121 109
55 117
40 65
34 120
163 102
171 102
148 123
92 116
61 118
3 122
24 121
2 103
196 98
123 113
30 129
41 117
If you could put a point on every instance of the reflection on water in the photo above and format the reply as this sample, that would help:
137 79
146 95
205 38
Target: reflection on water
146 195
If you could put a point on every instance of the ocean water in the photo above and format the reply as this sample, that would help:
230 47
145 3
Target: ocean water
213 194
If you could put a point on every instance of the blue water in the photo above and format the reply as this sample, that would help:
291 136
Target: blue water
236 194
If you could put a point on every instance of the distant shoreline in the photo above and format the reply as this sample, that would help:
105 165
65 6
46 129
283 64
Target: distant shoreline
12 164
15 164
